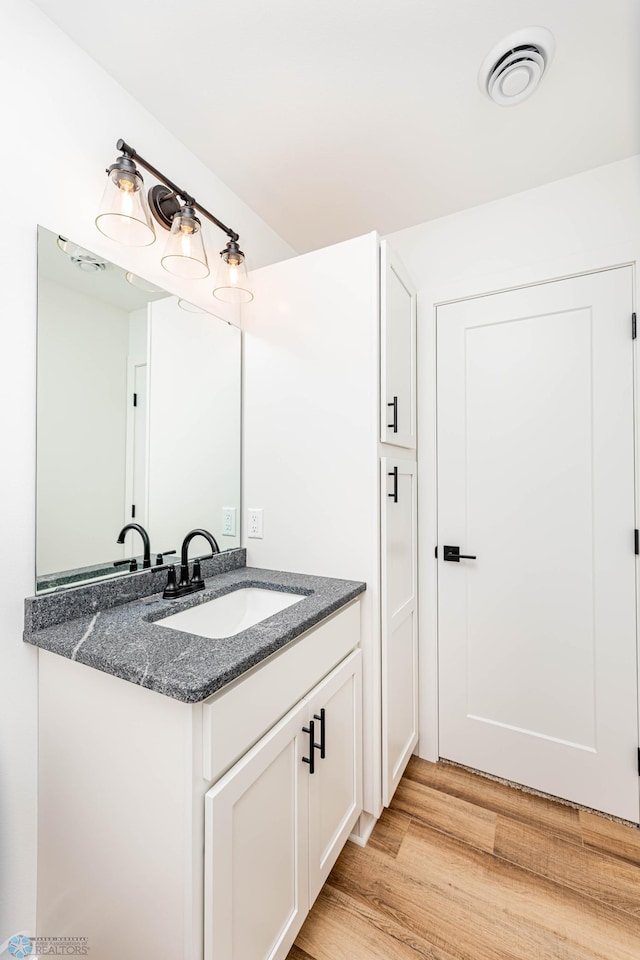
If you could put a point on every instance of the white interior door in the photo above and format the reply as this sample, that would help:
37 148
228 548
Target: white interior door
397 352
399 557
537 634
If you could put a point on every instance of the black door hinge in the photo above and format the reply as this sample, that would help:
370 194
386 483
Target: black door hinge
634 327
636 537
639 761
135 396
133 509
436 553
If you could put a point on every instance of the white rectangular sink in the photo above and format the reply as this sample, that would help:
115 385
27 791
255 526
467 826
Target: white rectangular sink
231 613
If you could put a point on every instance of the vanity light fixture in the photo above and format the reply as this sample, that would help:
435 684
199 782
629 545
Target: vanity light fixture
125 216
232 283
184 255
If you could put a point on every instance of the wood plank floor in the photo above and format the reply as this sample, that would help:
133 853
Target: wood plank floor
462 868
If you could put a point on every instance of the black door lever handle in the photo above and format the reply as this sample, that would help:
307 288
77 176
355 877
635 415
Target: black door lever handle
453 554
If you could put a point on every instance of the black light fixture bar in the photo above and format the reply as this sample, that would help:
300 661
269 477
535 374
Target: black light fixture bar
131 152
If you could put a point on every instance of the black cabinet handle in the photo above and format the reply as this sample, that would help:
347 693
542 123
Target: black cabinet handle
394 425
322 745
312 746
453 554
394 474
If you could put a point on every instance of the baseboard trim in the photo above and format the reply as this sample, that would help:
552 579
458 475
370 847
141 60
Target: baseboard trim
363 829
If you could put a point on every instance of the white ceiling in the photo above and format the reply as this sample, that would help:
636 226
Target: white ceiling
331 118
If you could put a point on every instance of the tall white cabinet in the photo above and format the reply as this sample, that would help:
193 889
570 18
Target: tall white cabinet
329 394
398 369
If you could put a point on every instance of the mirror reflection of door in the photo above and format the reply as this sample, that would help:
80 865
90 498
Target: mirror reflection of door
137 457
139 511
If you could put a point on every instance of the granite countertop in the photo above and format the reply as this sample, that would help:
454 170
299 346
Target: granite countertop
124 640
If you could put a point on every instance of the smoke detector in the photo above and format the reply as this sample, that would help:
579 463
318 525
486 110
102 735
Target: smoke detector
512 69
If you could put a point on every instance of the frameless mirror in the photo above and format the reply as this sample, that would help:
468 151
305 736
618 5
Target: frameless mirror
138 419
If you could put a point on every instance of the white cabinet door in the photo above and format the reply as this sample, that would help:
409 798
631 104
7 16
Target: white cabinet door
335 788
256 848
397 352
399 619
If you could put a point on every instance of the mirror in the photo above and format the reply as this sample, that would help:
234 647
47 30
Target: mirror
138 419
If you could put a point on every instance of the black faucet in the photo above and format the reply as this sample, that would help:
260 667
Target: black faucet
174 590
145 540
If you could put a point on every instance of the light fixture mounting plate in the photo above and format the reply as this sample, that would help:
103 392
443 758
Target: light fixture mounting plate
164 205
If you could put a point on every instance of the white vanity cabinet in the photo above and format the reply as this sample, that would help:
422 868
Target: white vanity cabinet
197 831
276 822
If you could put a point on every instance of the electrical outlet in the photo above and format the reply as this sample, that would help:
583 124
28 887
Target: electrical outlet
256 523
228 521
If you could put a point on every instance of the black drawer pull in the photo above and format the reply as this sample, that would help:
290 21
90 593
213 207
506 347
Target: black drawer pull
322 745
394 474
312 746
394 425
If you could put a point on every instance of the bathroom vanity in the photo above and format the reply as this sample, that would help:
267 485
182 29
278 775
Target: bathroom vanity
194 792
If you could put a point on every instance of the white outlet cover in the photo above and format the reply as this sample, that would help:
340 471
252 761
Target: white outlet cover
229 522
255 529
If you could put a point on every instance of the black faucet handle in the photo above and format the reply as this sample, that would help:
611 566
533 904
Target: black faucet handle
133 564
160 557
196 579
171 590
184 575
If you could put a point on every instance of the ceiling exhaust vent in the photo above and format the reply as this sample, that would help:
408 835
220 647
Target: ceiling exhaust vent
512 70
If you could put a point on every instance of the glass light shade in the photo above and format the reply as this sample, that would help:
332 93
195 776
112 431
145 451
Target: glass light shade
141 283
189 307
74 249
232 282
185 255
124 213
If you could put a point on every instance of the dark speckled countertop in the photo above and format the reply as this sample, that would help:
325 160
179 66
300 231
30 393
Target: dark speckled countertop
124 640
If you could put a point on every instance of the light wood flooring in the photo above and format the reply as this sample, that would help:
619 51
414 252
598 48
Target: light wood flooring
462 868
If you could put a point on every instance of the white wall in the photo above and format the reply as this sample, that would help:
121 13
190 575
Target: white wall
575 225
82 396
61 115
